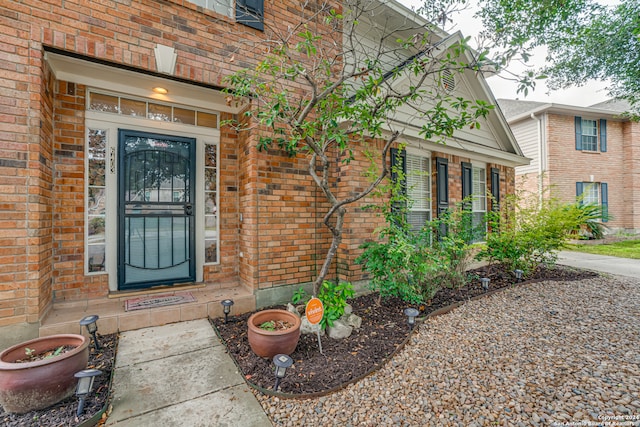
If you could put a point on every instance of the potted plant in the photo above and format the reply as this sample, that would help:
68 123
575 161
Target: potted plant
40 372
273 332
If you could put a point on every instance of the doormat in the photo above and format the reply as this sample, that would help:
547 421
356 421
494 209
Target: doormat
158 301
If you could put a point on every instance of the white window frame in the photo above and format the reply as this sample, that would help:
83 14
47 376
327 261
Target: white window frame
418 186
589 189
87 215
479 193
111 123
589 139
223 7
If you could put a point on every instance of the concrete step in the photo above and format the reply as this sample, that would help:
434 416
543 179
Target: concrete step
64 317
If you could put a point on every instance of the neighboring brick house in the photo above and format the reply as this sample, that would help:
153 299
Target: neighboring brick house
110 184
589 151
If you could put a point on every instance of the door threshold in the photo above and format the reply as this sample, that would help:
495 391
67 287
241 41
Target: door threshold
156 290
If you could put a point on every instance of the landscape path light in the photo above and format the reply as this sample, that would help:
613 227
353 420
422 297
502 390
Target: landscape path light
518 275
485 283
226 308
90 322
85 384
411 314
282 362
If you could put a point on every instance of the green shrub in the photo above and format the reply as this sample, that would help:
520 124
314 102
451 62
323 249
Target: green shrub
589 217
334 299
528 231
414 265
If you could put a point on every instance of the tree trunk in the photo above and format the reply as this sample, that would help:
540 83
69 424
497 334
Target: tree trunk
336 231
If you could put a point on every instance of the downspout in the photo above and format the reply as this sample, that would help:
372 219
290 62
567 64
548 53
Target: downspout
540 152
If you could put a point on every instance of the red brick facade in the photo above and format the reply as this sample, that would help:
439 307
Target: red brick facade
563 165
270 212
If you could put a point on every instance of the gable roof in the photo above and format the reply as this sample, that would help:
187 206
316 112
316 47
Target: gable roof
494 139
614 104
516 110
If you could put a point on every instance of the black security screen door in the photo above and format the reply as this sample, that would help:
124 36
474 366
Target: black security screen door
156 197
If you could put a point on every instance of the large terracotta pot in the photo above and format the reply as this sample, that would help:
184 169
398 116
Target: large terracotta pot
35 385
269 343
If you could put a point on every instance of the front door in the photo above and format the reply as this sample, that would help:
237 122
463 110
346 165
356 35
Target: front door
155 209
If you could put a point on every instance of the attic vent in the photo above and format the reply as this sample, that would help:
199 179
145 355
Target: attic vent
448 80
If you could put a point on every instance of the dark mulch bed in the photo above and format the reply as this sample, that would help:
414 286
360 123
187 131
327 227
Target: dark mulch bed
383 330
63 414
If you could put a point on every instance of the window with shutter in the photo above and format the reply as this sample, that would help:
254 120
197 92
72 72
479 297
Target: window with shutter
495 189
604 200
399 171
590 134
224 7
479 204
418 190
603 135
442 184
250 13
594 193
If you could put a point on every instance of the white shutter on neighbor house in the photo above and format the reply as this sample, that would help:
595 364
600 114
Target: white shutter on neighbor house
419 190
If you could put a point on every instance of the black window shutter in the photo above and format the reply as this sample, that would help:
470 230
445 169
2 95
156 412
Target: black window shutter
442 184
603 135
467 188
579 190
250 13
604 197
399 161
495 189
578 133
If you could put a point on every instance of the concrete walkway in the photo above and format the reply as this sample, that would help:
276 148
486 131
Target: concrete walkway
180 375
601 263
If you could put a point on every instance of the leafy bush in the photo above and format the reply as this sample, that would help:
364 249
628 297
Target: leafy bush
589 217
414 265
528 231
334 299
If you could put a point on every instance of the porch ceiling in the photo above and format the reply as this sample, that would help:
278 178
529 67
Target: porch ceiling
101 76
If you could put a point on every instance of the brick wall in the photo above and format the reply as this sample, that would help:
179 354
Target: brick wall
229 179
41 248
568 165
631 173
25 173
281 238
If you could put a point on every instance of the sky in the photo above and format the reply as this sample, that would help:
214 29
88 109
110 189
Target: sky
591 93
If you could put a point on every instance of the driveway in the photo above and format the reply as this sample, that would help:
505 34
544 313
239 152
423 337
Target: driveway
603 263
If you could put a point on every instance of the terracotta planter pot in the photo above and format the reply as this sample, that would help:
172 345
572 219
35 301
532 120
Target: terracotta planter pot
269 343
36 385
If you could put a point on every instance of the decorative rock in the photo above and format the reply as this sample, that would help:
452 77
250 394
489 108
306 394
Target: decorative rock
476 362
339 330
292 309
348 309
352 320
308 328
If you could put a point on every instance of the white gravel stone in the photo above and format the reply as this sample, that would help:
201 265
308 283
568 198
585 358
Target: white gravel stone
542 353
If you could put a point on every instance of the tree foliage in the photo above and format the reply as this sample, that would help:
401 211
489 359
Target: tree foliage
585 40
338 80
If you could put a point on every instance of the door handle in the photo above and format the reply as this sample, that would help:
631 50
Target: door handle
188 209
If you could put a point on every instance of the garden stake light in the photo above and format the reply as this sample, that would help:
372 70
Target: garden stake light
485 283
85 383
92 327
411 314
518 275
282 362
226 307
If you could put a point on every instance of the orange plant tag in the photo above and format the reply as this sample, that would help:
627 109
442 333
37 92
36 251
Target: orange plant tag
314 311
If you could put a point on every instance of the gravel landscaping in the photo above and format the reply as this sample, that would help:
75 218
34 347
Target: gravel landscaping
546 353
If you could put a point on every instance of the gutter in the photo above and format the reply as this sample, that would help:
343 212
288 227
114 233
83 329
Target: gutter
540 152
